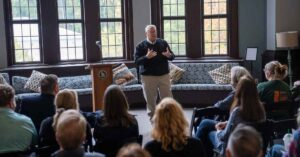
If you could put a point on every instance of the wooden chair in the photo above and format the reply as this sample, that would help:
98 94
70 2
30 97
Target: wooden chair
206 113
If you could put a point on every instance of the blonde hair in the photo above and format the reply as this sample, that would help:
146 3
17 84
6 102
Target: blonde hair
64 100
133 150
276 70
170 125
70 129
236 73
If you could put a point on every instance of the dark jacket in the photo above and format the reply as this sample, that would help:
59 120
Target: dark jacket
47 135
193 148
37 107
157 65
110 139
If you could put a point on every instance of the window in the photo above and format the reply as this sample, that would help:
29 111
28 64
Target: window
70 29
174 25
111 24
55 31
25 31
215 27
198 28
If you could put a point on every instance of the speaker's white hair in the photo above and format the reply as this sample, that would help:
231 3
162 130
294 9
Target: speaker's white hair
148 27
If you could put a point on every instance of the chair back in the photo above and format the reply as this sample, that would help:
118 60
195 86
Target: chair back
111 148
281 127
281 110
265 129
206 113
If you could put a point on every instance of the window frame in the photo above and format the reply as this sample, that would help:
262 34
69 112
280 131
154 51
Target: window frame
49 34
73 21
194 34
10 33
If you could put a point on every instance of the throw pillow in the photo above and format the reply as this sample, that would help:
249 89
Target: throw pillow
34 80
122 75
175 73
221 75
2 80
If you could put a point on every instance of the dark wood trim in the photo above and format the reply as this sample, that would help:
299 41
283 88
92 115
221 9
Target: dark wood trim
49 32
233 31
128 19
193 35
8 32
155 10
92 30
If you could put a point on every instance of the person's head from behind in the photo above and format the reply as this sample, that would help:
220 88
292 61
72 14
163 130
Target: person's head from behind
49 84
236 73
115 105
169 124
246 97
151 33
7 96
244 141
70 130
133 150
274 70
67 99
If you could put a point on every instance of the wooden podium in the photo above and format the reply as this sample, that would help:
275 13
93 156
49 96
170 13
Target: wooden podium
102 77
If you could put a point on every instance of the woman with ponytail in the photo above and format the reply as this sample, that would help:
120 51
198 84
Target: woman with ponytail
275 89
65 99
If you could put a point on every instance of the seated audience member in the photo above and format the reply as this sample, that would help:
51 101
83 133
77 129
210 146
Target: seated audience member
296 92
170 133
246 108
116 125
17 132
275 89
70 134
244 141
133 150
278 150
65 99
236 73
39 107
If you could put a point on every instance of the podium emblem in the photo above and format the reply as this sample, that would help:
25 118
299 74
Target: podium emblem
102 74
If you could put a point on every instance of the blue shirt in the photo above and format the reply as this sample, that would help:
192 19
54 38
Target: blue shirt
17 132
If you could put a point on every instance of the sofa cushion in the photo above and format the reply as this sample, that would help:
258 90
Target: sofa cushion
221 75
34 80
75 82
18 82
201 87
197 73
134 87
3 79
175 73
123 76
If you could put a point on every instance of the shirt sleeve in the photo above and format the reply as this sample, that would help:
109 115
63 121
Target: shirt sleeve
224 134
140 55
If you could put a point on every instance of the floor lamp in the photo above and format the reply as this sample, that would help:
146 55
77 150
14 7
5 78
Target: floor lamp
288 40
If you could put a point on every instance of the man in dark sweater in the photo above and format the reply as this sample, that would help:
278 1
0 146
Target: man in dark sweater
152 57
39 107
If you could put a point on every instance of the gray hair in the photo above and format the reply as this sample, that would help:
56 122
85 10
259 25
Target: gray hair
148 27
236 73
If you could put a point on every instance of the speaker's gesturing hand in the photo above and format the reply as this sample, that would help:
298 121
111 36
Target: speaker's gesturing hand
150 54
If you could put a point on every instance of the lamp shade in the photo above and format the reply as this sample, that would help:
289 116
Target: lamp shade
287 39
